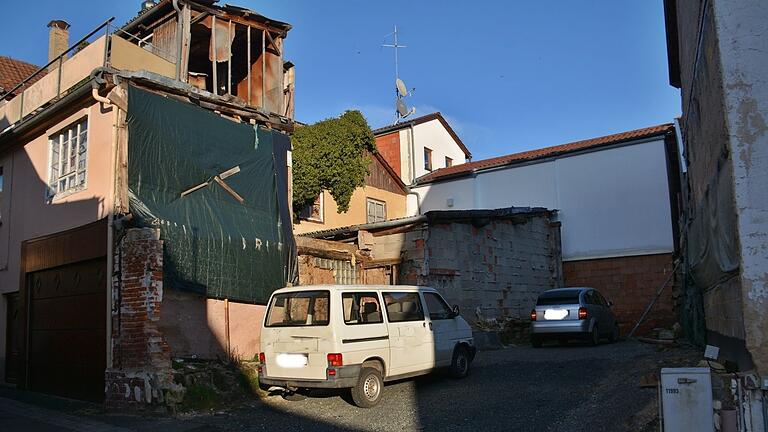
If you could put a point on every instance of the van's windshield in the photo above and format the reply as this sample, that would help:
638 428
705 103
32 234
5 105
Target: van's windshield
296 309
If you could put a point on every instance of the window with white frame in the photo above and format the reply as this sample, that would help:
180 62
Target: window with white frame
377 211
68 151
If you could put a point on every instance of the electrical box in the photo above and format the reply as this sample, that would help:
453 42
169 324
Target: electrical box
686 400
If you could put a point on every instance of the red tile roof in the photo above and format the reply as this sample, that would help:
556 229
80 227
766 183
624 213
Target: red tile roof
468 168
12 72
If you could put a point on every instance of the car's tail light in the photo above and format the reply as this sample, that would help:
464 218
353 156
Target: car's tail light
533 314
335 360
583 314
262 360
331 372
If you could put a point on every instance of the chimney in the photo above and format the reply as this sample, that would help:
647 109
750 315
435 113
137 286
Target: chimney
58 38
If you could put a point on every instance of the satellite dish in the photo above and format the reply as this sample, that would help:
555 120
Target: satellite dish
401 88
402 109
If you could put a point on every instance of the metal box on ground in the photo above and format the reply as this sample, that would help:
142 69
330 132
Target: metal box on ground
686 400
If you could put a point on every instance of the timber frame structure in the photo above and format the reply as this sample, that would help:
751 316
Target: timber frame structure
225 50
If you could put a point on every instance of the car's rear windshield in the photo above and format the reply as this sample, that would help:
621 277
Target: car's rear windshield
298 309
558 297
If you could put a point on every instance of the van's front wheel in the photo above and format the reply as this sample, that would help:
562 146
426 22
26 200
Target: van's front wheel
368 390
460 363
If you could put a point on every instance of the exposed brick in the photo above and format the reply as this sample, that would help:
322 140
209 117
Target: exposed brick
141 361
630 283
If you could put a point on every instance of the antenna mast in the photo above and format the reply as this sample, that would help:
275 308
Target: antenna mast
396 45
401 90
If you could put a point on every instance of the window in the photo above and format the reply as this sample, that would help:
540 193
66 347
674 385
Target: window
427 159
559 297
298 309
448 162
314 211
403 306
68 151
438 308
361 308
377 211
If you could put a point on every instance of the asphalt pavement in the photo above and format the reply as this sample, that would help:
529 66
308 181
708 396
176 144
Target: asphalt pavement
554 388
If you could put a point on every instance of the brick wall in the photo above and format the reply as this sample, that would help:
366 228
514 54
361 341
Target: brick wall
497 269
630 283
140 372
389 147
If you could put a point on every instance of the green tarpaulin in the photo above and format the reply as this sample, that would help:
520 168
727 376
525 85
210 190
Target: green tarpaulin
188 170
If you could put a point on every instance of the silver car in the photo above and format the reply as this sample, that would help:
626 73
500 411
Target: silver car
567 313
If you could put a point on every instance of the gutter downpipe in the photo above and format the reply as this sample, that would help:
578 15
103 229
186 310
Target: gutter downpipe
418 200
413 154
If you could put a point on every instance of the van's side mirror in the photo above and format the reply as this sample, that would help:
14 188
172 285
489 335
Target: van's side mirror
610 303
455 310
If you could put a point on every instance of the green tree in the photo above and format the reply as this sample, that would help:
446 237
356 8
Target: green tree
331 155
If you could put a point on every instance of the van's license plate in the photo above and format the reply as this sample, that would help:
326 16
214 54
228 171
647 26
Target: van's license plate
555 314
291 360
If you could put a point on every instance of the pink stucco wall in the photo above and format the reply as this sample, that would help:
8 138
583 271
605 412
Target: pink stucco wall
24 211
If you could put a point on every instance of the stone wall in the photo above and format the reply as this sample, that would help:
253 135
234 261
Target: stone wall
494 269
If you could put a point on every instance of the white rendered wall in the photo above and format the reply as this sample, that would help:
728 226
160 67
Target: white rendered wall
613 202
433 136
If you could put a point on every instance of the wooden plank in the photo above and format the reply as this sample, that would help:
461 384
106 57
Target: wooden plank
214 60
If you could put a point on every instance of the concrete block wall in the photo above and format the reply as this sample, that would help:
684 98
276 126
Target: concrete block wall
630 283
140 370
491 271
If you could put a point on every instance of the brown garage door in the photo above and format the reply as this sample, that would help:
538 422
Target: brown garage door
67 330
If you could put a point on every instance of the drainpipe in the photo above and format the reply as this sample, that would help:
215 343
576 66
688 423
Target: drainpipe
413 154
418 201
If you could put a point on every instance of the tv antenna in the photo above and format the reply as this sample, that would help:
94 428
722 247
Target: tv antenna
401 90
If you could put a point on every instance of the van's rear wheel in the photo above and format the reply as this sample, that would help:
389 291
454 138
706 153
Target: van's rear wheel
368 390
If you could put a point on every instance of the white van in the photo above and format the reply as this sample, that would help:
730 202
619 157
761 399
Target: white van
360 336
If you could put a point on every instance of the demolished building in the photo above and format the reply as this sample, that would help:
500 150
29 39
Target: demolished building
146 201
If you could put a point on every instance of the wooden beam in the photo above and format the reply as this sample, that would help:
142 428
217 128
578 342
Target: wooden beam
249 65
263 70
214 61
274 45
229 59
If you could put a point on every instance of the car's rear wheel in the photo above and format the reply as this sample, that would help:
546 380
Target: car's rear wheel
460 363
536 341
367 392
594 337
615 334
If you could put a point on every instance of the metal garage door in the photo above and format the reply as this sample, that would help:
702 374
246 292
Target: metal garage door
67 330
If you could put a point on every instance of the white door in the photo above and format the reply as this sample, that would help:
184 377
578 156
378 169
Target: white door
411 343
444 327
298 324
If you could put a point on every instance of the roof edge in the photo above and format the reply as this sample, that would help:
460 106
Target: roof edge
477 166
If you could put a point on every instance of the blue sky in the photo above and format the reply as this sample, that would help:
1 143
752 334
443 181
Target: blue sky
508 75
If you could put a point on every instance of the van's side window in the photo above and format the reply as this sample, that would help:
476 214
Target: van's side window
361 308
437 307
403 306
